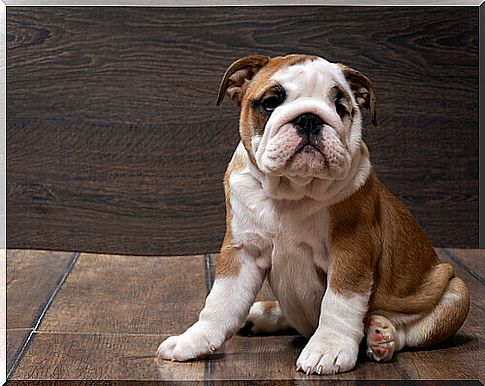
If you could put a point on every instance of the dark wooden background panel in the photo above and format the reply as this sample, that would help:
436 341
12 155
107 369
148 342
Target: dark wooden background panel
114 143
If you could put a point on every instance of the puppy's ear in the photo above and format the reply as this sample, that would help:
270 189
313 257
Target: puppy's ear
363 89
237 74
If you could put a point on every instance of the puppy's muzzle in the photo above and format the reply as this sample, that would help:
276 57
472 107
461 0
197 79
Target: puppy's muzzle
308 123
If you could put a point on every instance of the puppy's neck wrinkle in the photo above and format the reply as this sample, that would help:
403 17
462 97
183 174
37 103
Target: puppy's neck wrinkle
325 192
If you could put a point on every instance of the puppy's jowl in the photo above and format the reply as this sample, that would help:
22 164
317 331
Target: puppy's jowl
305 210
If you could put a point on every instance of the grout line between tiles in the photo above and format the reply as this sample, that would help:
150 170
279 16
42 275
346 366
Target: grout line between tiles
16 329
208 286
208 272
56 290
458 261
42 313
53 332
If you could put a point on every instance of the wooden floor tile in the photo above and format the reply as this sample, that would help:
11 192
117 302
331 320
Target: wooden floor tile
129 294
15 341
31 279
113 311
472 258
101 356
274 357
456 359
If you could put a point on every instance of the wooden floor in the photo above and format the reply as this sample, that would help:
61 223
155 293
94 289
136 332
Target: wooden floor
89 316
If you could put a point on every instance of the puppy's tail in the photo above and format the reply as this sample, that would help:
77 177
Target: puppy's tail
426 296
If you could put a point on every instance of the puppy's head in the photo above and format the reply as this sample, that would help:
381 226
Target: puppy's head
300 114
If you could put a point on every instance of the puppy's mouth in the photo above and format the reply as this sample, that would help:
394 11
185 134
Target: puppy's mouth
291 153
310 148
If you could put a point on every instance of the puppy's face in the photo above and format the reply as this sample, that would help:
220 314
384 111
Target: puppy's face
300 115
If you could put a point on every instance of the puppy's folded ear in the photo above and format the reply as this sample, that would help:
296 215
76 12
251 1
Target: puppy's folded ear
363 89
237 75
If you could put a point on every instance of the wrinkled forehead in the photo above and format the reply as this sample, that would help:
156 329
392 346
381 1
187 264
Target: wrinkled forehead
309 78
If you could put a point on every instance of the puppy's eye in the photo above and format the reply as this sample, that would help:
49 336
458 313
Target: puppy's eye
270 103
341 109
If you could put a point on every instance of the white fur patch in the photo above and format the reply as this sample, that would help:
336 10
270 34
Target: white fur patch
334 346
266 320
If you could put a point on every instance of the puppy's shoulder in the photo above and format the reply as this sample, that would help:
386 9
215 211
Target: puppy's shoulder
362 208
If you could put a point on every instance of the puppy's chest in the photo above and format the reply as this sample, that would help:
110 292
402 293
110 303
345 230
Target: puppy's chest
301 241
293 242
286 235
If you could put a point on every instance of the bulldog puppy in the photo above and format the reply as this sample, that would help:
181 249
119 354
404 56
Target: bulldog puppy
305 210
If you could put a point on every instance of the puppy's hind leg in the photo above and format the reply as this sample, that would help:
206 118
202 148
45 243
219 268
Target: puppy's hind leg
444 320
265 317
386 335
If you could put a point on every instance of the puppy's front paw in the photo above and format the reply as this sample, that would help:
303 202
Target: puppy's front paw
327 356
192 344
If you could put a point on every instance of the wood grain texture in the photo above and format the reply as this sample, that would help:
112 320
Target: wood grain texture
15 341
32 277
108 327
98 356
473 259
274 358
293 382
129 294
112 119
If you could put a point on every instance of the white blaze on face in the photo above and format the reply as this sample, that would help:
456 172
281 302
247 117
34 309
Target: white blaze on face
308 87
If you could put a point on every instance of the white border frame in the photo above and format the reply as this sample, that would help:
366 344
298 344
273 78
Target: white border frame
232 3
139 3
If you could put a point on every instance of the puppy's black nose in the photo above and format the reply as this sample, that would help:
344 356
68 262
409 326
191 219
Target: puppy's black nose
308 123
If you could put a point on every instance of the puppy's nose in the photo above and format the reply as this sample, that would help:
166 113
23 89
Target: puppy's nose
308 123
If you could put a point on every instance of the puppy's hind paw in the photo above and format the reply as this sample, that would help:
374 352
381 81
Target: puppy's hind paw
381 336
265 317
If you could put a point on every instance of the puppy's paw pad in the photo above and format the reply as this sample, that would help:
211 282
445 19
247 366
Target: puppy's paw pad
381 336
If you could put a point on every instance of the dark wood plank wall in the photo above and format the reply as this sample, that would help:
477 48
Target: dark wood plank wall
114 143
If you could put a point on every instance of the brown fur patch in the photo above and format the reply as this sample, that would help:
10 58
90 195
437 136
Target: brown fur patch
353 242
262 80
251 122
228 265
449 316
363 89
236 76
375 239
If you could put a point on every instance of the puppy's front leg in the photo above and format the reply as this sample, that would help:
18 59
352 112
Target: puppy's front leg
334 346
238 281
